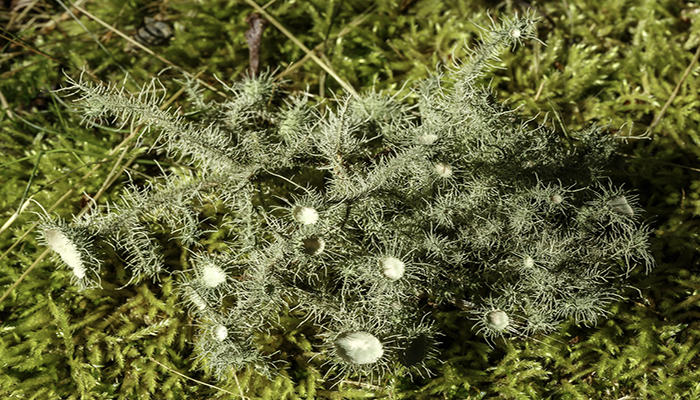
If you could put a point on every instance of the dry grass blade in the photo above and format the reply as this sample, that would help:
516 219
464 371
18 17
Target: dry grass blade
203 383
355 23
19 43
6 106
53 207
108 182
146 49
674 94
24 275
306 50
15 6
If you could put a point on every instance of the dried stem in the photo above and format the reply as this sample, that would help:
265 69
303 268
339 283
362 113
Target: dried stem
253 36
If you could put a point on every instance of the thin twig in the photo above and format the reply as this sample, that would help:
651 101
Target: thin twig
53 207
41 53
662 162
674 94
200 382
539 91
24 275
66 195
108 181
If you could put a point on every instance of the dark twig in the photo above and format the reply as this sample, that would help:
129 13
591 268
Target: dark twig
253 35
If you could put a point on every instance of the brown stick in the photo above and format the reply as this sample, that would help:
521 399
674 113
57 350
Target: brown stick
253 35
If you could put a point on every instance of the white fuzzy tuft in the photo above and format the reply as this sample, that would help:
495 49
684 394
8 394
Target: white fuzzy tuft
220 333
428 138
497 320
212 275
620 204
358 347
69 253
305 215
196 299
444 170
393 268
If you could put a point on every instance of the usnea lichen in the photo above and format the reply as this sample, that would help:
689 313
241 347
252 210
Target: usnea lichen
357 217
